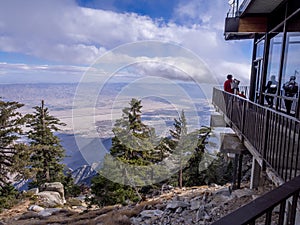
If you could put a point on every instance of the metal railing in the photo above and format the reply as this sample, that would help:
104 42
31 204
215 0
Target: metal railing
274 135
261 210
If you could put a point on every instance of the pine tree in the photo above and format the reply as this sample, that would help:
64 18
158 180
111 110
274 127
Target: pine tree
132 141
131 155
193 172
47 152
178 135
11 121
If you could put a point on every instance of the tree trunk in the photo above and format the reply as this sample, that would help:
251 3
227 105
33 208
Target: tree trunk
180 175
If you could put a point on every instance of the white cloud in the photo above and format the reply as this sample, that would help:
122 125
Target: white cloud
37 68
172 68
240 71
62 31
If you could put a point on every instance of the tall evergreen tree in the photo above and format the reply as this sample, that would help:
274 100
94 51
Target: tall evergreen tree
132 152
132 141
47 152
11 121
179 133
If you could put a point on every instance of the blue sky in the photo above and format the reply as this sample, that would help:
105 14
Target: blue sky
56 41
154 9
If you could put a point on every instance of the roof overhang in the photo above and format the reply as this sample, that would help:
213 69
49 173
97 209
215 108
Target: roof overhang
252 17
258 6
244 28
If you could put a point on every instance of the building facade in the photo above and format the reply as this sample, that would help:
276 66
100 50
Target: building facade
274 26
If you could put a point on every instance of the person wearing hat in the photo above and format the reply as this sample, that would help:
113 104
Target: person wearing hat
290 90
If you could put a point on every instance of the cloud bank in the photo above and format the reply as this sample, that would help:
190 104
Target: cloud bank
67 34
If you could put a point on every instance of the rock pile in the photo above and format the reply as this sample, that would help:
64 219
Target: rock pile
198 206
48 201
52 195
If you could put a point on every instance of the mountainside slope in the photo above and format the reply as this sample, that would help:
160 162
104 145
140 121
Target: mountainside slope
200 205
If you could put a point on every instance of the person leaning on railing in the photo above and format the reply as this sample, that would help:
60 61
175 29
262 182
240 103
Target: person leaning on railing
290 90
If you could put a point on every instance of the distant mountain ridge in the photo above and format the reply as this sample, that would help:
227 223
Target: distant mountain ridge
84 175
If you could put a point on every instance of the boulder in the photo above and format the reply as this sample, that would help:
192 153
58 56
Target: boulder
239 193
49 199
195 204
32 191
29 216
151 213
177 204
48 212
55 186
226 191
35 208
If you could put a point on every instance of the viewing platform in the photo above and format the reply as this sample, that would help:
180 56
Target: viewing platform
271 137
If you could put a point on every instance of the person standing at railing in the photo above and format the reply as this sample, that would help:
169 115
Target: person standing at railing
228 84
271 88
235 86
290 90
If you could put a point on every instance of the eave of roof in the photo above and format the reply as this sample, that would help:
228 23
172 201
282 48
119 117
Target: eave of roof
258 6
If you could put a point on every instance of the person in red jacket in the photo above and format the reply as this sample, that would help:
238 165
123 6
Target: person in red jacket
227 84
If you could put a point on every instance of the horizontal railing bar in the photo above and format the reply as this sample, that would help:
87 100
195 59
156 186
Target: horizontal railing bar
258 105
262 204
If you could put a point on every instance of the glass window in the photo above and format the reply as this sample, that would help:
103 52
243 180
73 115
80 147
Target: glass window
292 68
275 56
292 57
260 49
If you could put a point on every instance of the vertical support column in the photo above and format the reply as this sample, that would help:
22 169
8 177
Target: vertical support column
240 170
264 68
297 219
237 171
235 168
282 59
255 174
253 70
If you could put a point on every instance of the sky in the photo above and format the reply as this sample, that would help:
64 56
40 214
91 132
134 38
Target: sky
59 40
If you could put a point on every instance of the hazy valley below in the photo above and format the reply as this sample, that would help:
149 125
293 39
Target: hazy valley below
90 120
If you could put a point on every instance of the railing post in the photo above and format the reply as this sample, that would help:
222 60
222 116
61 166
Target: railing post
243 116
232 99
265 138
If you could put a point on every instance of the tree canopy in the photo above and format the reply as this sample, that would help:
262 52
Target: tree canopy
11 121
47 152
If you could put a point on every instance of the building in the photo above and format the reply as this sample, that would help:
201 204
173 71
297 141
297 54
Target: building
274 27
268 122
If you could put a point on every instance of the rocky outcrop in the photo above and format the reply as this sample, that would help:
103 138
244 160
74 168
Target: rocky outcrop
49 199
194 208
56 187
196 205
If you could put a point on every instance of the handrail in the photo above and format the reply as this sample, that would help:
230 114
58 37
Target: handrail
265 204
274 135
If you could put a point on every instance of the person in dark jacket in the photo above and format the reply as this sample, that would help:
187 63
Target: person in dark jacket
290 90
271 88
